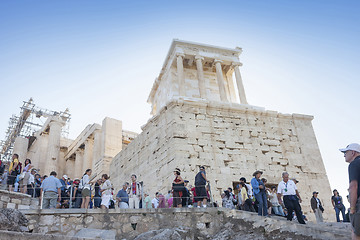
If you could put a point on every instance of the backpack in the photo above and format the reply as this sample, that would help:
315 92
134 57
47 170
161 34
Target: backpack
18 168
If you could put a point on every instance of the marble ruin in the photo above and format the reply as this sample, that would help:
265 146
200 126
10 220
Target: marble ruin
94 148
198 120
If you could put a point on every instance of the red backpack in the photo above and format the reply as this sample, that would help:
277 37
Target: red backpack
18 168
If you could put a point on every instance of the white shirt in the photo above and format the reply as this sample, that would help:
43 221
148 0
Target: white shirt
249 187
287 188
31 179
155 201
85 181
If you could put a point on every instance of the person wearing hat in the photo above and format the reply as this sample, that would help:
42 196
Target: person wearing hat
352 156
178 187
259 193
288 190
200 190
317 207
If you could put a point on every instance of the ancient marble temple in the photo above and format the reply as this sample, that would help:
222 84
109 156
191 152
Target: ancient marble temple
201 117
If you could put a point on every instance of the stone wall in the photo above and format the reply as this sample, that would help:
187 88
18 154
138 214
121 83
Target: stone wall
17 200
232 141
210 223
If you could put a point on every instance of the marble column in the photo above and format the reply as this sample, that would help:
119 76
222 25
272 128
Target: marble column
53 149
220 80
96 151
180 72
21 148
88 154
200 72
79 158
239 83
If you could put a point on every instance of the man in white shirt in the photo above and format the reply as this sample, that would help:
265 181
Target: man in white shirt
288 190
155 201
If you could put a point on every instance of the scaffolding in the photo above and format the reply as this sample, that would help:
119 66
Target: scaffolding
30 120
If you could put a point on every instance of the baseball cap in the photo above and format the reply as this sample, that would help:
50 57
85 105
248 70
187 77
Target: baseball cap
66 177
315 192
351 147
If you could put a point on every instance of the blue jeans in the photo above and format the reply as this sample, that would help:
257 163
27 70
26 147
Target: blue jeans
337 211
278 210
262 208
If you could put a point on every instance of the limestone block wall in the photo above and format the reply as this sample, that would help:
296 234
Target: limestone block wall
232 141
17 200
183 223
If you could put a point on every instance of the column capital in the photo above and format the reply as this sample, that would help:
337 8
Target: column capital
234 64
178 54
198 57
218 61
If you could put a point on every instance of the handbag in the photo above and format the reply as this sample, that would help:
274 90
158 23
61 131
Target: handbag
22 175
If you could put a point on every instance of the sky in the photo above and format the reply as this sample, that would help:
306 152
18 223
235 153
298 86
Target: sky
100 58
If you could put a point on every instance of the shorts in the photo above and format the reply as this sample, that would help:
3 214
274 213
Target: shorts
355 219
85 193
12 178
105 200
200 193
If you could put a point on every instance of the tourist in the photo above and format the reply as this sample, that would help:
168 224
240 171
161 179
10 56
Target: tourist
63 181
31 183
317 207
134 193
227 200
352 156
37 185
267 193
50 191
338 205
26 174
200 190
259 192
245 202
86 188
167 196
122 197
170 200
248 187
276 207
162 201
147 201
13 171
288 190
186 194
106 192
231 194
97 194
77 196
155 201
178 187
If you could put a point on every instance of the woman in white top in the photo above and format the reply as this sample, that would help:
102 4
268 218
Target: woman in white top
26 176
86 192
106 195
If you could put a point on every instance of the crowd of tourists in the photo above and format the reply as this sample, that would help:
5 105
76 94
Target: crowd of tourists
282 199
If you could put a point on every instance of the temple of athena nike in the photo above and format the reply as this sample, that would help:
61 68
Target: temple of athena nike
198 120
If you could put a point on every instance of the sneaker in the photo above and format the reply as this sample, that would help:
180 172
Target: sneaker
204 206
198 206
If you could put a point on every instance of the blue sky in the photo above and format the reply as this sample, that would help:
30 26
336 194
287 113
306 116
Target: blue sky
100 58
